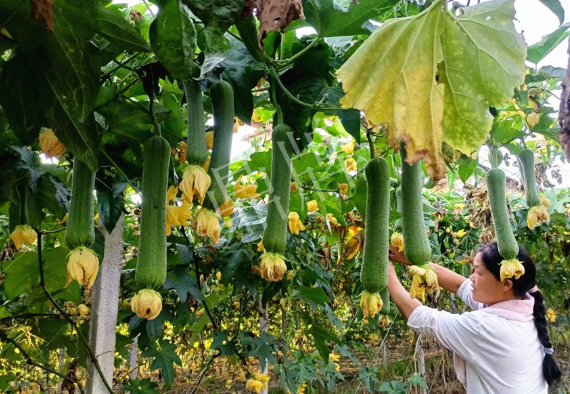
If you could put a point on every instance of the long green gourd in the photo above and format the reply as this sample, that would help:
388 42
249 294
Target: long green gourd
508 247
80 228
222 96
196 149
275 234
374 271
416 244
151 264
526 159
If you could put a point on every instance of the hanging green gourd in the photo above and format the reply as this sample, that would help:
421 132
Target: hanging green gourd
21 232
83 263
207 220
374 271
416 244
273 265
506 242
150 272
538 207
195 180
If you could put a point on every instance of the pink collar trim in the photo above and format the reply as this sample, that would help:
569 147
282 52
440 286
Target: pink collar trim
518 310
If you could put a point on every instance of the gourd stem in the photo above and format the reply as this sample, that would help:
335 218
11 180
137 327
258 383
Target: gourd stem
275 102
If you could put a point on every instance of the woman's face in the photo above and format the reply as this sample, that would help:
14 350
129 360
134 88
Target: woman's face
487 289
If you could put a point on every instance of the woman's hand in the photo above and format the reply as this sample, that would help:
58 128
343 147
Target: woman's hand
397 256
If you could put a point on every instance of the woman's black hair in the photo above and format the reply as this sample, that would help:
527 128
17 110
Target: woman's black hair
492 260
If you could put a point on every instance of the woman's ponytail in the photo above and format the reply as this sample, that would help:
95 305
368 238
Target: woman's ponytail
549 368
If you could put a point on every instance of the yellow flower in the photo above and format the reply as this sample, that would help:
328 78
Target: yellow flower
253 384
397 240
312 206
334 357
82 266
228 222
171 219
23 234
348 148
545 202
295 224
218 275
430 278
227 208
245 191
350 164
171 194
460 233
147 304
272 266
183 213
417 270
511 268
260 247
210 140
459 207
195 183
536 216
418 289
351 248
370 303
343 189
83 310
262 377
294 187
332 219
532 119
50 145
551 315
208 224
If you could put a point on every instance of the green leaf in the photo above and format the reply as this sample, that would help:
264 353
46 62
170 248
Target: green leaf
466 167
242 71
165 357
128 122
184 283
537 52
143 386
555 7
22 274
218 16
222 343
110 199
18 97
505 130
321 336
433 77
173 38
315 296
332 20
359 196
552 72
175 123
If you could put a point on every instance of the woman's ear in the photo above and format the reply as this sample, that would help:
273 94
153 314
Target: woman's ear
507 285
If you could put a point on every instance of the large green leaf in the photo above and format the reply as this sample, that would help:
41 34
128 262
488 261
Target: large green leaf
242 71
538 51
164 357
556 8
173 38
218 16
432 77
18 97
331 20
22 274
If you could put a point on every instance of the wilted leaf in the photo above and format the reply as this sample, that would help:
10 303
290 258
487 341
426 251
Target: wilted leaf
433 77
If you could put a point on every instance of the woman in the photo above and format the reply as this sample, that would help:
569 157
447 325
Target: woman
501 347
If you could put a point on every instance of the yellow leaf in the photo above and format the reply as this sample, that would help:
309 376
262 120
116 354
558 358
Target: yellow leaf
432 78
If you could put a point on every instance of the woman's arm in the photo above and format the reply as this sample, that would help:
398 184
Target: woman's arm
449 280
400 295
